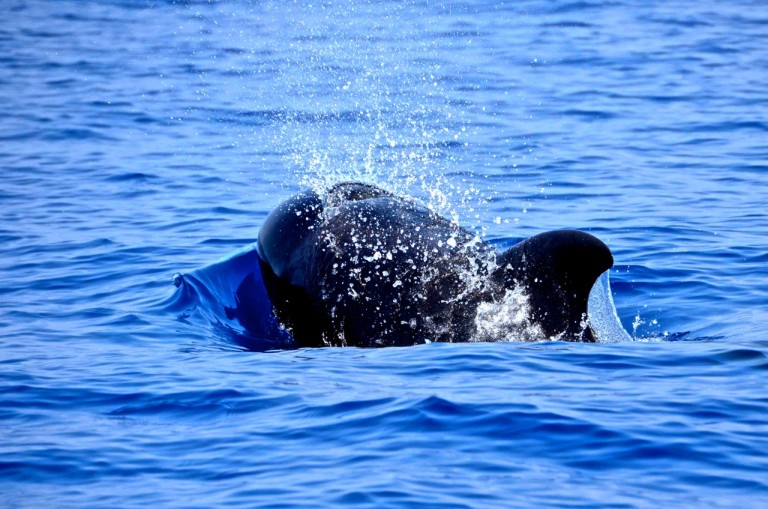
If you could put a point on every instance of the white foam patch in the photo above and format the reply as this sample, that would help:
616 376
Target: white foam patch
507 319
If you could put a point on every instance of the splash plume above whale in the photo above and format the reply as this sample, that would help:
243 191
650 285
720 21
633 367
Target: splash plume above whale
360 266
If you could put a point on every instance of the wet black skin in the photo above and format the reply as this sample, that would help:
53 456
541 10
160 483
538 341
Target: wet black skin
360 266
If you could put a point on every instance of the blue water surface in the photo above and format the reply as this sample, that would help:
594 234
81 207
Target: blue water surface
140 139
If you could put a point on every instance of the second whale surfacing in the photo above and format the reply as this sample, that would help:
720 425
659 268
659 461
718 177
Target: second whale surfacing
359 266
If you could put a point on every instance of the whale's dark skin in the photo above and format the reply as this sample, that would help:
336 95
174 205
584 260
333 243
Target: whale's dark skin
360 266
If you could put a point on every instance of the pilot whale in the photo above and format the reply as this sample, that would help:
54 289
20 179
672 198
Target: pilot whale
360 266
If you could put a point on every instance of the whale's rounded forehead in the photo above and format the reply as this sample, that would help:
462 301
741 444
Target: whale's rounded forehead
291 224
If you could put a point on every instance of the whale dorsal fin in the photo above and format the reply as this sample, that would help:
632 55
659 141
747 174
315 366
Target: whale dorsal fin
557 269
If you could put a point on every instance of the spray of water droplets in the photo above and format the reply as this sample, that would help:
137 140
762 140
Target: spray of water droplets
372 108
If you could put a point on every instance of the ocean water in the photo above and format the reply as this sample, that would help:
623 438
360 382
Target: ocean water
141 139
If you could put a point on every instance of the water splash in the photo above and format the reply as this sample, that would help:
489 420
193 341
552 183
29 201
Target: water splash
374 109
507 319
